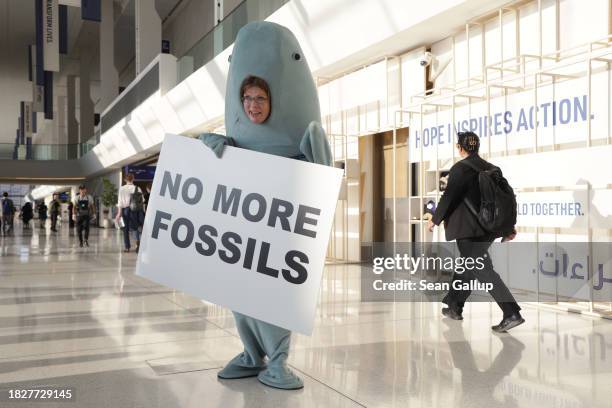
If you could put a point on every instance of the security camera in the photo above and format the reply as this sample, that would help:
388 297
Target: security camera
425 59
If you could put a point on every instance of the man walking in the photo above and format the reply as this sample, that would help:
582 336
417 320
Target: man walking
54 210
8 213
473 240
84 210
42 213
131 209
71 218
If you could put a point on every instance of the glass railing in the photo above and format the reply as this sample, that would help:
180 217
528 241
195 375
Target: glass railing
91 143
224 34
45 151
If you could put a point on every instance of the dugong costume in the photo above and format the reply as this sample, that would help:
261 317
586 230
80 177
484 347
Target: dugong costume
293 129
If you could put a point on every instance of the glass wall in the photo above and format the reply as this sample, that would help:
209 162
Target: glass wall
8 151
224 34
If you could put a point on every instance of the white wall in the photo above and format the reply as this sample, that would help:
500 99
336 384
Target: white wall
581 23
366 101
412 77
544 176
188 25
364 93
14 87
577 25
16 32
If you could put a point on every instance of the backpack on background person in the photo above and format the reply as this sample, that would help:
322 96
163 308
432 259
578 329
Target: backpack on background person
7 206
137 200
83 206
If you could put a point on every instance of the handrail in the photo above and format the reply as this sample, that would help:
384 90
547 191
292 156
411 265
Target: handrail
46 151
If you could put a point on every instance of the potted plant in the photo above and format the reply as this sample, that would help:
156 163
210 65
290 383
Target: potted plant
109 199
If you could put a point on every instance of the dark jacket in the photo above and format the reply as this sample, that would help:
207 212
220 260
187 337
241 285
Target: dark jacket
54 207
26 212
459 221
42 211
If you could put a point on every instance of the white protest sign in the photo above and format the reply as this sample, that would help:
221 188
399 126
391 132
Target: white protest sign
248 231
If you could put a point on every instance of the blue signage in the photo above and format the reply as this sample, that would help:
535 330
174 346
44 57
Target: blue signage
63 28
91 10
141 173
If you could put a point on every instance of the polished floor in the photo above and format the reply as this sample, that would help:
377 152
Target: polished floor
79 318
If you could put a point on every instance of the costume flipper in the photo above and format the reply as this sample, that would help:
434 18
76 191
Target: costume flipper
216 142
314 145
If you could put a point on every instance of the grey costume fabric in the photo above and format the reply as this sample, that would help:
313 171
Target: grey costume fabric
293 129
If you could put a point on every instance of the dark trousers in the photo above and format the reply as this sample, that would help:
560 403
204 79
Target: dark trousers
475 248
132 221
83 227
8 222
54 220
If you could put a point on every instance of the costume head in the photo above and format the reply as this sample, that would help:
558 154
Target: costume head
271 52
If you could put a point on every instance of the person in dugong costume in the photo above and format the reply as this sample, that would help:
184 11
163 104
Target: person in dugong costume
271 106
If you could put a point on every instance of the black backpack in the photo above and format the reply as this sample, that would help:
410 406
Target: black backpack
83 205
497 213
137 200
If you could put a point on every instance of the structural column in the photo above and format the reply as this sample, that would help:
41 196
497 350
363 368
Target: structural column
148 33
62 134
61 99
86 106
72 126
109 86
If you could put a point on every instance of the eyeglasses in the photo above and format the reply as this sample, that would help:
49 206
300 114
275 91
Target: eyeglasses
259 100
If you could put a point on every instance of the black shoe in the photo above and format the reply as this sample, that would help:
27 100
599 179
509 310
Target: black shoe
508 323
81 244
86 244
451 313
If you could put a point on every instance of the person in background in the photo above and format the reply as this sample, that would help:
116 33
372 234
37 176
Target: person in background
54 209
473 241
84 210
71 218
147 195
131 208
8 212
42 213
27 213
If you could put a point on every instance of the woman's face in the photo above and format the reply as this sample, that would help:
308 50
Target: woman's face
256 104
